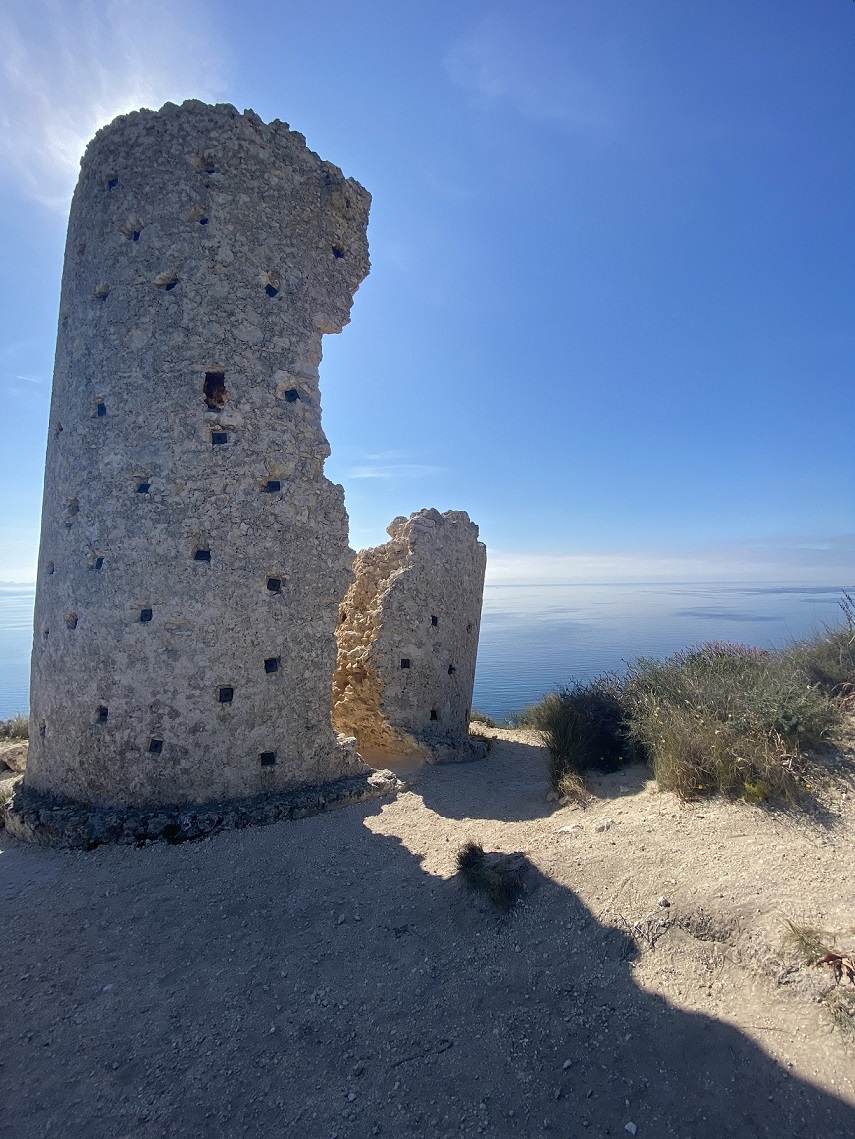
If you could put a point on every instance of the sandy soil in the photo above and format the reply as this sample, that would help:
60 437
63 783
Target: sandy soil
331 977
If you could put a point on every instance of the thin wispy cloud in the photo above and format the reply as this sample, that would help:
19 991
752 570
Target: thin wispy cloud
389 465
393 471
70 66
513 65
20 378
827 562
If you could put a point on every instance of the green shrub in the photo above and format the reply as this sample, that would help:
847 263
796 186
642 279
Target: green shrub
584 727
478 717
728 718
828 658
15 728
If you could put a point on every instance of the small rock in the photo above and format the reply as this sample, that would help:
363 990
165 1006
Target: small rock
569 830
351 1096
567 1064
14 756
631 1128
552 796
605 825
664 903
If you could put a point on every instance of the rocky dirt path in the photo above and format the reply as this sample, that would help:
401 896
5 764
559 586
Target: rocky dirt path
330 977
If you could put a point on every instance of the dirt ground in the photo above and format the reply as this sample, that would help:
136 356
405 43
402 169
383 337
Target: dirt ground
331 977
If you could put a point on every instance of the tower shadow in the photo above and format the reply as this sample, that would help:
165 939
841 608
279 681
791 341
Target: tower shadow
311 978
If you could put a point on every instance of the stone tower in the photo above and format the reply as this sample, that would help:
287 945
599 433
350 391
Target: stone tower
193 554
408 638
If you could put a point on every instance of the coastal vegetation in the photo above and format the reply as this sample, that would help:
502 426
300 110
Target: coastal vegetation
15 728
717 718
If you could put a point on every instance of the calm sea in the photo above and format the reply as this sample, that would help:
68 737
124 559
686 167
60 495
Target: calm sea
535 638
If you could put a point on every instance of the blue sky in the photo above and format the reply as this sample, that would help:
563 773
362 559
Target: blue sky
610 311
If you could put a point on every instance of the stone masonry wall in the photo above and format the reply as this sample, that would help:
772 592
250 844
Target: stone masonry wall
193 554
408 639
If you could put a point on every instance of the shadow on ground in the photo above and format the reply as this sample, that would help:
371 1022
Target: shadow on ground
309 978
511 784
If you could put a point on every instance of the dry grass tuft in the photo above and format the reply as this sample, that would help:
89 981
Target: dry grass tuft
816 947
494 876
810 943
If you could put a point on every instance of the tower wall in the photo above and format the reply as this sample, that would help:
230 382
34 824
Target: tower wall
408 640
193 554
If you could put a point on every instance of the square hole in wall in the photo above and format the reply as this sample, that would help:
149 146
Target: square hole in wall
218 438
155 746
98 564
434 620
226 695
451 670
143 487
274 584
271 290
292 395
405 662
215 390
202 555
273 485
434 715
100 409
102 713
71 620
145 616
267 758
271 665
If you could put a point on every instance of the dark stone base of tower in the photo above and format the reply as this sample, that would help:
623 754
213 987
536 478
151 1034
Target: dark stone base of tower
48 821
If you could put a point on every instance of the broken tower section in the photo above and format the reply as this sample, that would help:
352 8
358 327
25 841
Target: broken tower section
408 639
193 554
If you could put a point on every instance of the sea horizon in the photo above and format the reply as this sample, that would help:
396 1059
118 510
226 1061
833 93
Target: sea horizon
537 637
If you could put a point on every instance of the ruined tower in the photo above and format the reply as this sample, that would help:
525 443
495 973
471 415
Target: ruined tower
193 554
408 638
